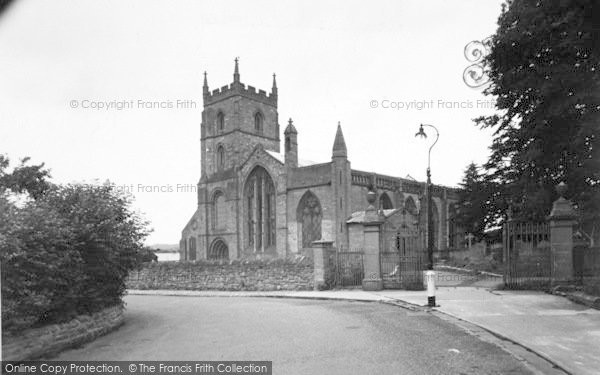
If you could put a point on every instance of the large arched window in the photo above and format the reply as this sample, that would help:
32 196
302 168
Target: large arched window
192 248
218 250
309 216
410 205
220 157
220 122
259 210
218 210
258 122
385 203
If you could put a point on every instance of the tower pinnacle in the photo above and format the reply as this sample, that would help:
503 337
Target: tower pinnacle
290 127
236 71
205 86
274 88
339 145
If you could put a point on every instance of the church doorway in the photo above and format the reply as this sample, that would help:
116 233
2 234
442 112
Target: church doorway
218 250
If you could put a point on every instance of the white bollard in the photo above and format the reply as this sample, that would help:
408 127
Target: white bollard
430 277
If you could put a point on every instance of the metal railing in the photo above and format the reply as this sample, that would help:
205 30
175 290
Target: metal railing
347 268
402 271
527 255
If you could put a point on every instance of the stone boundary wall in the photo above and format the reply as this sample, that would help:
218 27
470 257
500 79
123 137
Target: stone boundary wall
50 340
235 275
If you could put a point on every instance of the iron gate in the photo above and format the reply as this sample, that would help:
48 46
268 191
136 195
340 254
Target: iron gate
527 255
401 271
403 264
348 268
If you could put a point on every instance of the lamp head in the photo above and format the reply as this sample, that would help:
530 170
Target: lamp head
421 132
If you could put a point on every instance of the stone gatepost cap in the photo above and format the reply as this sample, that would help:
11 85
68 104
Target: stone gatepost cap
561 189
562 208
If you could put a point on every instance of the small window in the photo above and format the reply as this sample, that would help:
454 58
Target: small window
220 157
258 122
220 122
287 144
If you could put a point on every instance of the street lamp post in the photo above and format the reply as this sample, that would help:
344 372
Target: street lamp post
430 274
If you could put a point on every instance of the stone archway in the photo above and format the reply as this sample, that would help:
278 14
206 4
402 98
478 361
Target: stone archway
218 250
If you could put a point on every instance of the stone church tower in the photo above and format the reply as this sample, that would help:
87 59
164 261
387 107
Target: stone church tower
235 119
254 201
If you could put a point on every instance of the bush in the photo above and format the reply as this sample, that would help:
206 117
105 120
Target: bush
66 253
39 269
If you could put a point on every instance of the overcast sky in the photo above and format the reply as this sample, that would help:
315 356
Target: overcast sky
335 61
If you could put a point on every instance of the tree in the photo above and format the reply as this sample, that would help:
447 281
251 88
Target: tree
471 208
65 252
30 179
544 69
40 269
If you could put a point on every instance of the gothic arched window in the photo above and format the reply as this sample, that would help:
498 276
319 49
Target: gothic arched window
220 122
258 122
385 203
410 205
192 248
183 248
220 157
309 215
218 210
259 210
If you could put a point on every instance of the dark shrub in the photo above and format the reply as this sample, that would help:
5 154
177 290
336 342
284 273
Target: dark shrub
40 269
66 253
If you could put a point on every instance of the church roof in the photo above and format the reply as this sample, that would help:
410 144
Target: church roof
277 155
281 159
339 145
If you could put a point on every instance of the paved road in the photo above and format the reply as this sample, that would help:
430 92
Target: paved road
299 336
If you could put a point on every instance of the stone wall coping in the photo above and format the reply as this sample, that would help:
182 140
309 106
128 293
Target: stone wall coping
45 341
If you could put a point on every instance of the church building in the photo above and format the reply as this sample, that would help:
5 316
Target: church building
256 200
